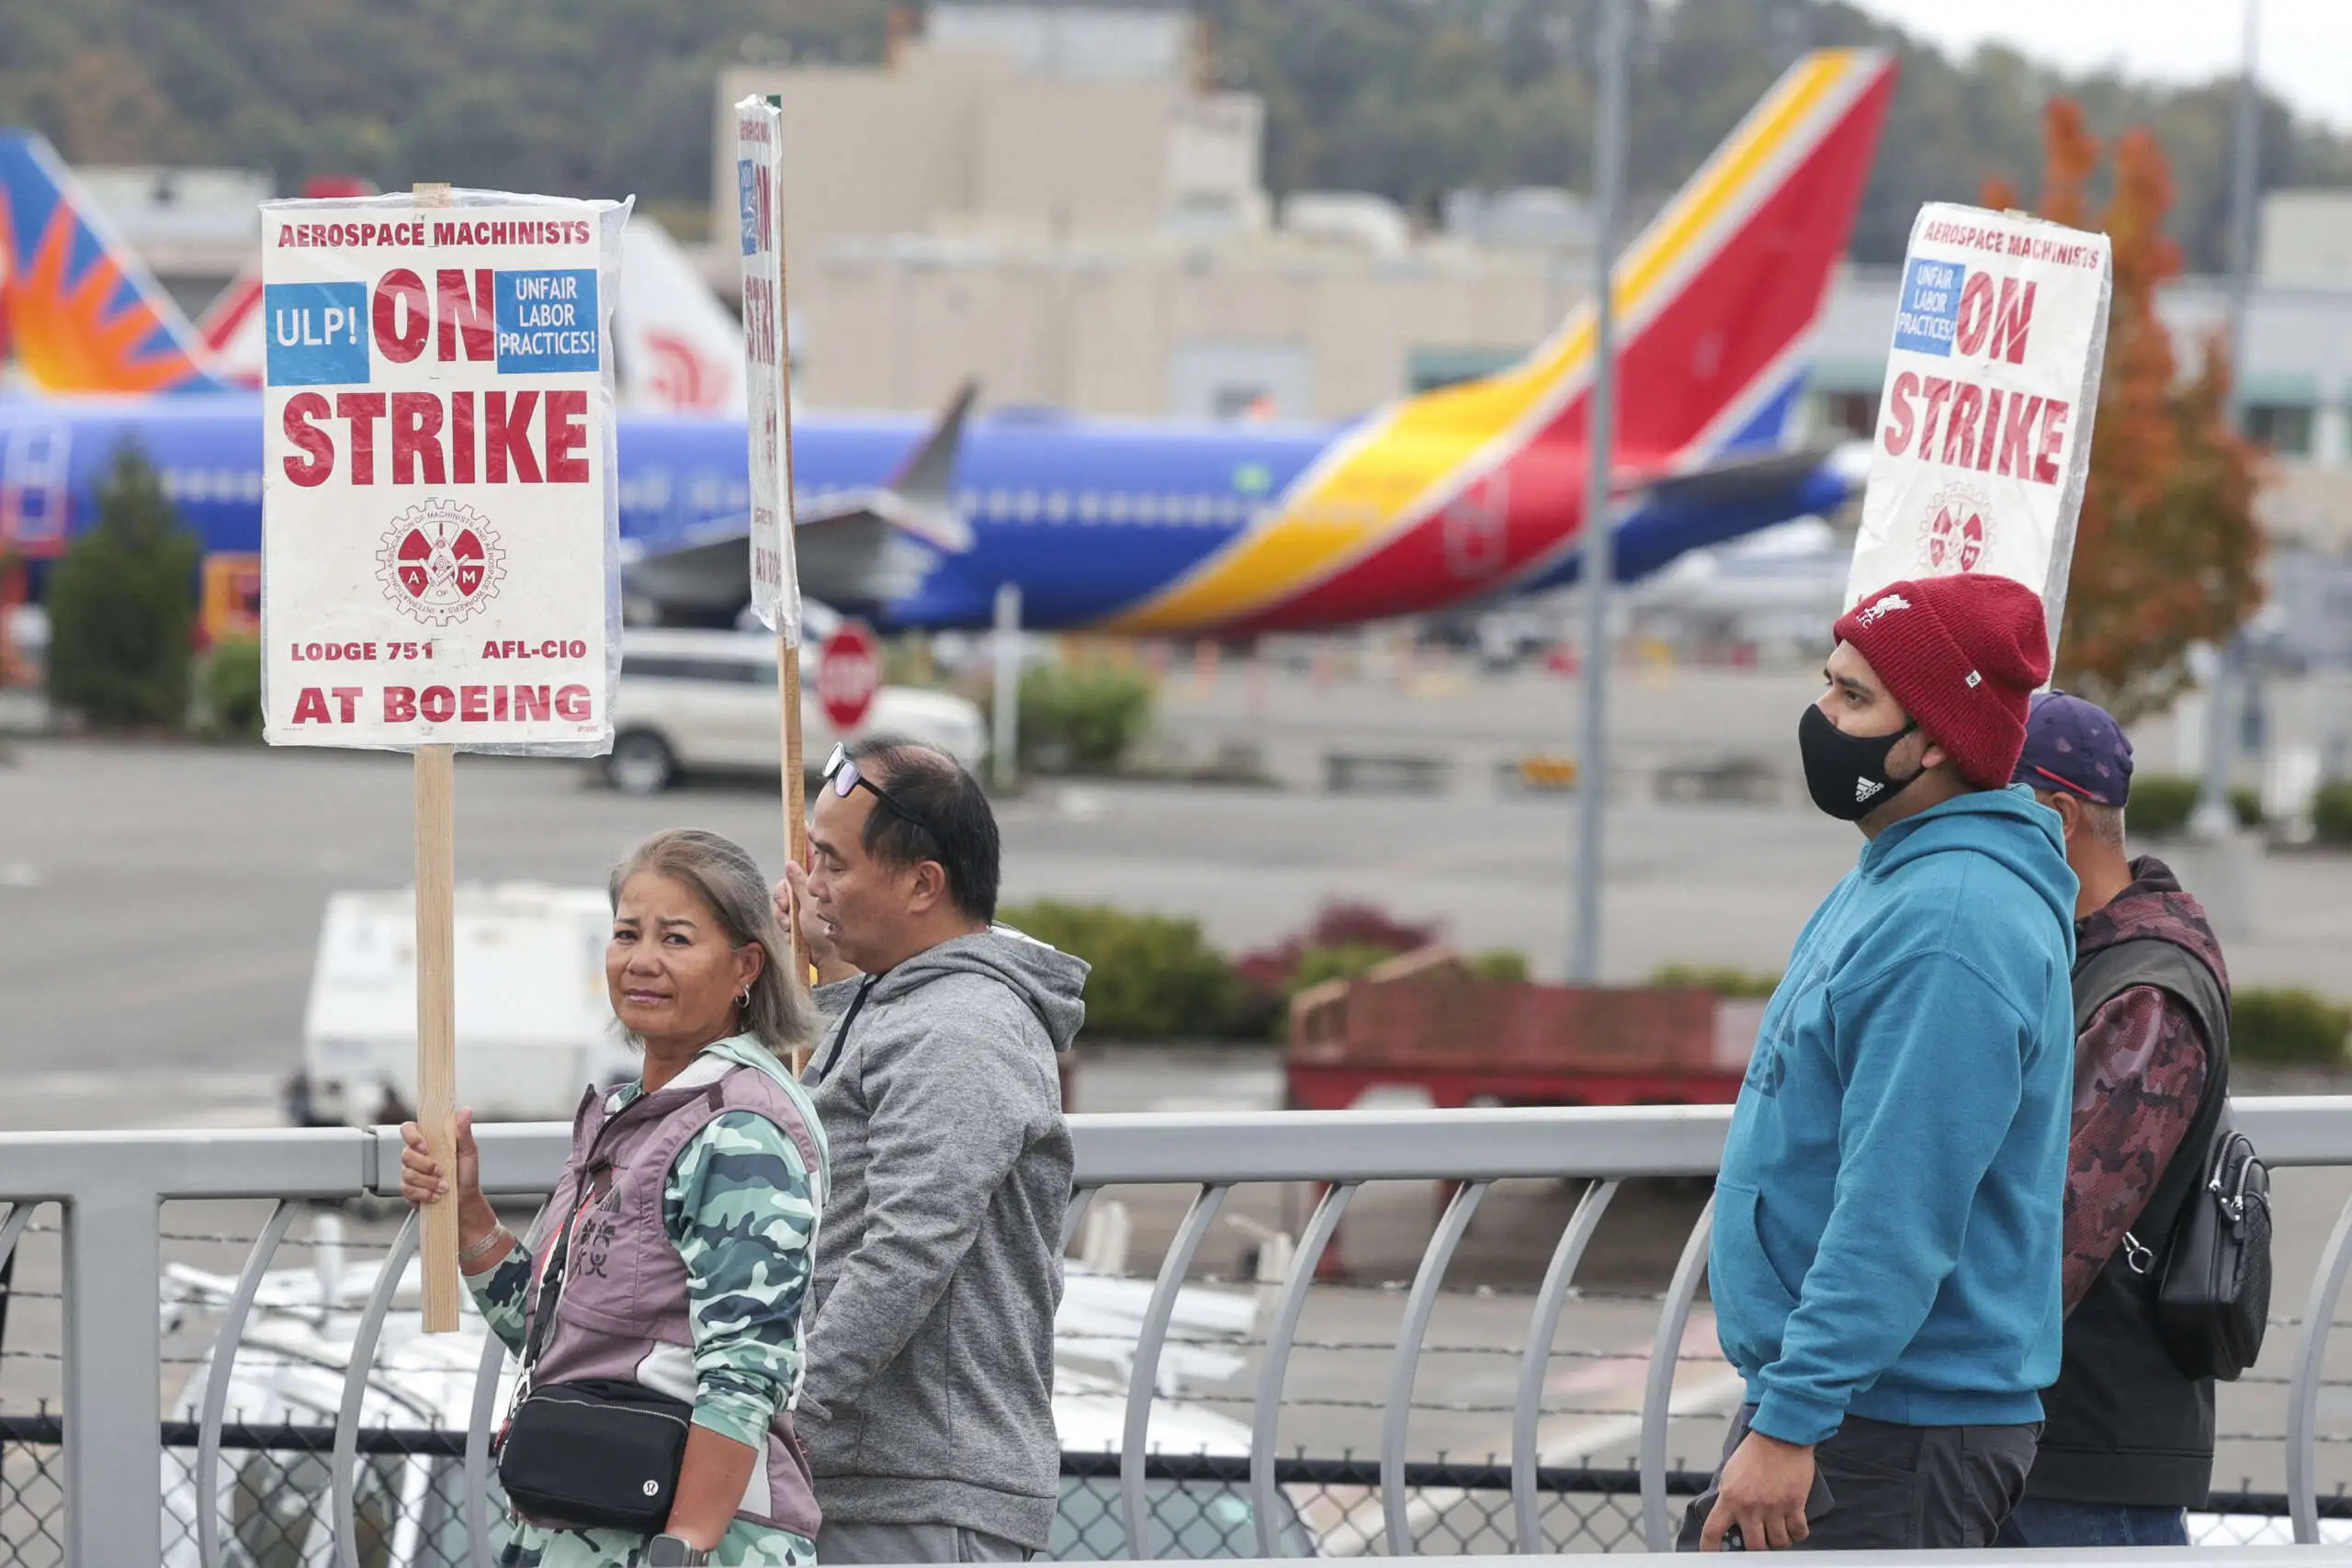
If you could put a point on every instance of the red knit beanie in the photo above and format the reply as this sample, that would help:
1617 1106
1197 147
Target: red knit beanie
1963 655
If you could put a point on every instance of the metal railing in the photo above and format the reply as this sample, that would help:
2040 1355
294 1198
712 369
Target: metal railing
111 1186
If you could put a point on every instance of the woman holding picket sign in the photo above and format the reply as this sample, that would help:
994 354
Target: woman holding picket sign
658 1313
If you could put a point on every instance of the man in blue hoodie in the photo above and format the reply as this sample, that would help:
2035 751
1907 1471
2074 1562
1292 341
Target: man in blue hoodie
1887 1222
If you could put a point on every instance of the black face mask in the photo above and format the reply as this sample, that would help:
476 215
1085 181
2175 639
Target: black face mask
1847 773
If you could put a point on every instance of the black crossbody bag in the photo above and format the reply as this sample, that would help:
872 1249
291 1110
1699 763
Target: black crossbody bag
601 1453
2213 1303
2210 1213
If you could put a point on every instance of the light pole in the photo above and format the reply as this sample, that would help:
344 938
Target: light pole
1599 566
2215 821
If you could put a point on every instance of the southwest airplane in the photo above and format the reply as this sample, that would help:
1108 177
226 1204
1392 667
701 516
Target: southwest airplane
1454 497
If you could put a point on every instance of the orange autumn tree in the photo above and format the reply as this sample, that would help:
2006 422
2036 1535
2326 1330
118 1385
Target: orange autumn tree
2167 549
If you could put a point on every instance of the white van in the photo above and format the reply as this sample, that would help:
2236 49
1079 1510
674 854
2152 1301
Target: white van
705 701
298 1342
534 1023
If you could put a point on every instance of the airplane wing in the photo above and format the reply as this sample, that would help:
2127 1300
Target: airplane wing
856 548
1740 476
859 553
1737 494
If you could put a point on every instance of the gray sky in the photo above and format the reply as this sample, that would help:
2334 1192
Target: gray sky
2305 53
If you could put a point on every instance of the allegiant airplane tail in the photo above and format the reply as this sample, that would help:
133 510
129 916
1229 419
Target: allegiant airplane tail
1477 489
83 313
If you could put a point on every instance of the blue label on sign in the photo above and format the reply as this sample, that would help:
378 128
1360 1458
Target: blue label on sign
547 320
1930 304
746 205
318 333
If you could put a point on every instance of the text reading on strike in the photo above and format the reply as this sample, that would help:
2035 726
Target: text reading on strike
436 437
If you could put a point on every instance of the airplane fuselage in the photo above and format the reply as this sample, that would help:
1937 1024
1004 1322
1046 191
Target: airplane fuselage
1085 516
1089 517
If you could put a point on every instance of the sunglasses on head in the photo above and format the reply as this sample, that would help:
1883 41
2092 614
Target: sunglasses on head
841 772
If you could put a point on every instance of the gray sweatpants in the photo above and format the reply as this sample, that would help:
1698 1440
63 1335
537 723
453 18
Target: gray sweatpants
1882 1487
847 1543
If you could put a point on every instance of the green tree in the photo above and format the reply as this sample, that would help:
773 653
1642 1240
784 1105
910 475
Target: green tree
123 606
2167 549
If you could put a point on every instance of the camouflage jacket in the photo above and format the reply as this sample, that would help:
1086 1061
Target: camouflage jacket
2140 1070
741 1206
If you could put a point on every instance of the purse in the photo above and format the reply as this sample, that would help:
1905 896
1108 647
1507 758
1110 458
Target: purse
2212 1306
601 1453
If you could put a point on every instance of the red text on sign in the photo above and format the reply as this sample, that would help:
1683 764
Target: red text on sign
1963 426
2006 323
436 438
487 705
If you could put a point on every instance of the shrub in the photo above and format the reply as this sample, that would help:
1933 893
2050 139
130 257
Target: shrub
1318 965
1336 925
2291 1026
1501 965
2332 812
2245 805
229 689
1082 718
2161 804
1724 982
1155 978
1366 925
123 606
907 662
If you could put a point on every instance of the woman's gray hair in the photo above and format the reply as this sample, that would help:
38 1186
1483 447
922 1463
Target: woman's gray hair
780 1014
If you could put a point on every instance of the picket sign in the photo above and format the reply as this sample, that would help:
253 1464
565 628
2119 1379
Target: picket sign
440 523
1984 439
767 379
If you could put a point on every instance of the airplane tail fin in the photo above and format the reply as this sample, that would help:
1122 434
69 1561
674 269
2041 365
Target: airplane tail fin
1715 305
83 312
680 350
1717 299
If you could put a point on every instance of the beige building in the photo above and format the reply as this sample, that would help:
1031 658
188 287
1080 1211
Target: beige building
1049 199
1214 332
969 134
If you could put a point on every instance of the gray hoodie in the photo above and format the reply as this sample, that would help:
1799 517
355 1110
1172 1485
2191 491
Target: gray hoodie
929 1397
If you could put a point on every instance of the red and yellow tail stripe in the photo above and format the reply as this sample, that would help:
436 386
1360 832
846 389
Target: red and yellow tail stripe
1712 294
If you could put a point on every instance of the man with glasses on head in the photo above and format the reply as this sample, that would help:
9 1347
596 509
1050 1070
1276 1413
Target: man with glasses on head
928 1409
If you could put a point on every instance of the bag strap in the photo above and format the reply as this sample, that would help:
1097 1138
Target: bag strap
2173 969
551 1277
840 1036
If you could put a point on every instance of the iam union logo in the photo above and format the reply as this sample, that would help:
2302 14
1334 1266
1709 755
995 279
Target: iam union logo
1959 531
440 563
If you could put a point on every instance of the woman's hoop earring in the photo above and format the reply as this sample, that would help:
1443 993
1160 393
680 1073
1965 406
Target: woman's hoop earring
744 1001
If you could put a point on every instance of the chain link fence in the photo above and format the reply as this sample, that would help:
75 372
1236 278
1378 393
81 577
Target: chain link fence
409 1503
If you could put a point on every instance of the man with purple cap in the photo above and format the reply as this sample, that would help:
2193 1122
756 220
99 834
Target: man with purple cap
2128 1443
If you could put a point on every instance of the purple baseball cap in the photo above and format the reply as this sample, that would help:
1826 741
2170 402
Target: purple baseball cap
2075 745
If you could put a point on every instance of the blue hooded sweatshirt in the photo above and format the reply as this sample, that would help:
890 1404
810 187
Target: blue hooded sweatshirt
1888 1216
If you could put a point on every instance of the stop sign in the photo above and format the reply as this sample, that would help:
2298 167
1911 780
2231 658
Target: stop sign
849 671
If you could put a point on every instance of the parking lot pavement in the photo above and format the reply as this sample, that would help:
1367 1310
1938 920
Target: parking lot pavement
163 901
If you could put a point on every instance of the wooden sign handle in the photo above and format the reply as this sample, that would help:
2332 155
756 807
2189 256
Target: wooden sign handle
437 995
788 655
796 804
437 1021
